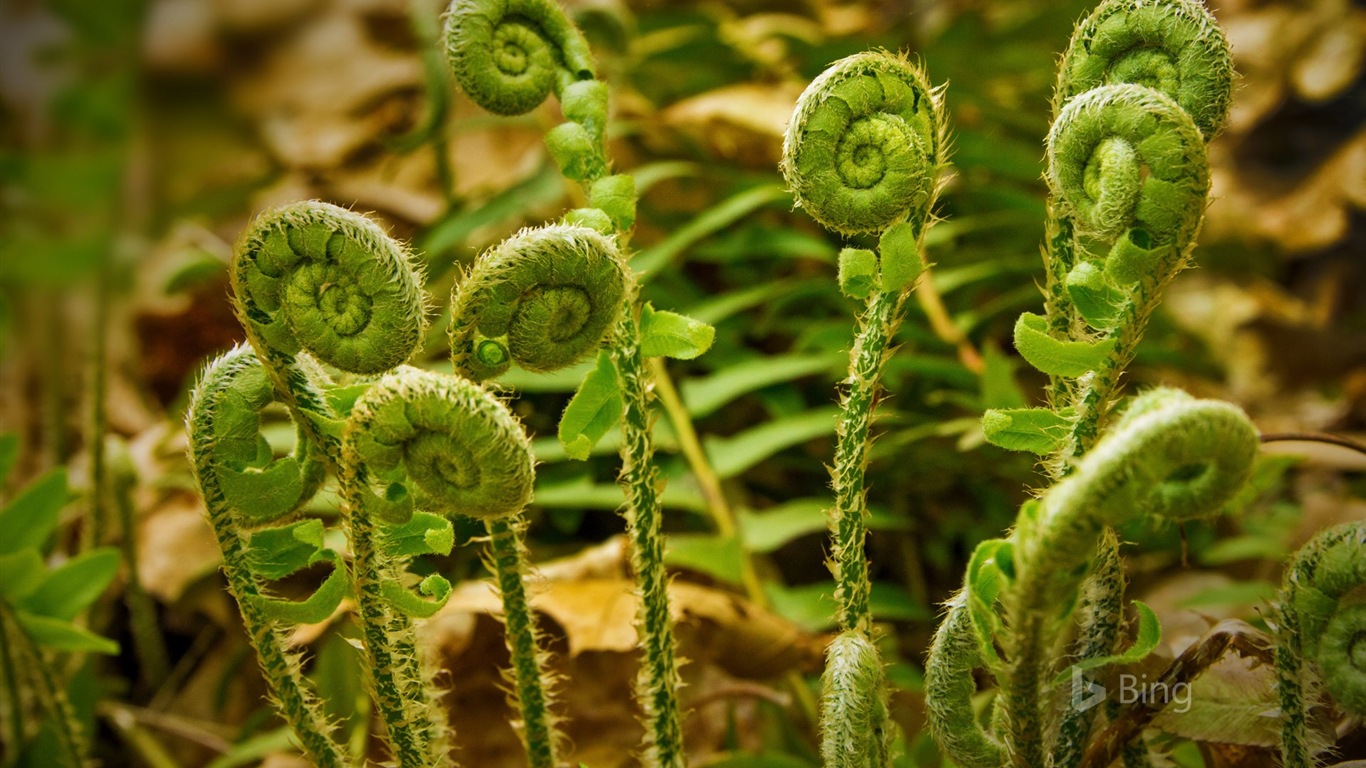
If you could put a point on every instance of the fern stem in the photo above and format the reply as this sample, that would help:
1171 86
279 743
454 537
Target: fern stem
51 693
530 673
881 317
657 689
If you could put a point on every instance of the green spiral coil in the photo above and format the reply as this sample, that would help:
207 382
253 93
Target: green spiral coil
1173 46
863 147
509 55
315 277
463 450
1131 165
544 298
1321 620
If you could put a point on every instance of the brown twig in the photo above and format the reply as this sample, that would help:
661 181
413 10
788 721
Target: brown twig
1232 634
1315 437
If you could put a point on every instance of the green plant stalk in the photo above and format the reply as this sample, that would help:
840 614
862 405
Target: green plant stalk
657 689
854 719
531 677
148 642
93 533
1102 605
1061 315
279 665
881 317
394 662
50 692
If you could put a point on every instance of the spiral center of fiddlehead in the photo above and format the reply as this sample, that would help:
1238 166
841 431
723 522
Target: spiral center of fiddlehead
520 49
463 449
317 277
544 298
862 145
1173 46
1126 157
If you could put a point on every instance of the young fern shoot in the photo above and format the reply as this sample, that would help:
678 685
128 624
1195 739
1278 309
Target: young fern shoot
544 299
862 154
315 281
1321 636
245 490
509 56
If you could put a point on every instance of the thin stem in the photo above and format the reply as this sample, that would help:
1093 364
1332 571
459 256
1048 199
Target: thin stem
93 533
721 513
1315 437
51 693
148 642
927 295
1061 315
530 676
13 703
881 317
658 687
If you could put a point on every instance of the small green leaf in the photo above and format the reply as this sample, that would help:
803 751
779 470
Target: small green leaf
1149 634
1094 296
29 519
1055 356
9 454
989 569
407 602
20 574
423 534
318 606
573 148
593 411
74 585
669 334
858 272
1038 430
274 553
267 493
594 218
59 635
899 250
1133 257
616 196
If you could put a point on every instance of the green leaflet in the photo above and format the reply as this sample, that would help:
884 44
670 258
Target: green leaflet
1055 356
71 587
616 196
574 150
858 272
60 635
595 219
317 606
899 252
1148 636
265 493
593 411
434 586
20 573
991 566
1038 430
1093 295
30 518
274 553
422 534
669 334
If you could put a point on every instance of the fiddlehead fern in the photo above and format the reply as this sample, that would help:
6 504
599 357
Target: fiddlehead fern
862 153
863 147
243 487
317 278
853 705
1171 457
509 55
438 442
1321 618
1172 46
544 299
1130 167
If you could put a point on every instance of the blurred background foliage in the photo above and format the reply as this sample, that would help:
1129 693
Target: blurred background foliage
137 138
